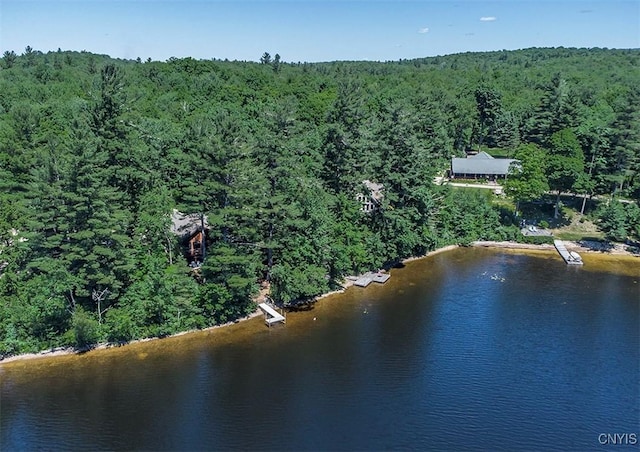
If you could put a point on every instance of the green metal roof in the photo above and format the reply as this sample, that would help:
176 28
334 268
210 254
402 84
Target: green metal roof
480 164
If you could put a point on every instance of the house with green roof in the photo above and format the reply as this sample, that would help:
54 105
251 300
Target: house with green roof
480 166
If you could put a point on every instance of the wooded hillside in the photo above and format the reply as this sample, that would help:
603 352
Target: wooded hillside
95 154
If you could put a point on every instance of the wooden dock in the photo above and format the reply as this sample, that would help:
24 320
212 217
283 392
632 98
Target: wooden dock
570 258
271 315
368 278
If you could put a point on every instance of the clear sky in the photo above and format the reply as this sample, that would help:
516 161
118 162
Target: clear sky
313 30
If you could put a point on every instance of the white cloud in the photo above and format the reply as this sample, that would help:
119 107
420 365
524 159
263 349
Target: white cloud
488 18
423 30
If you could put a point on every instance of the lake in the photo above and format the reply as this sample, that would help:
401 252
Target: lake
473 349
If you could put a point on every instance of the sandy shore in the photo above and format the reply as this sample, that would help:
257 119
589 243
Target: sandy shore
585 247
62 351
431 253
617 249
511 245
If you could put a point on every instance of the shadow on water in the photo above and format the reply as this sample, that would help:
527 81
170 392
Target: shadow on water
301 307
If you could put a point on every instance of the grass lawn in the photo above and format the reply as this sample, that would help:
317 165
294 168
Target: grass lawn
577 230
576 227
570 225
576 236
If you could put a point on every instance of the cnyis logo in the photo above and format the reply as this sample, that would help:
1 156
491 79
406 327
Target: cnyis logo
618 439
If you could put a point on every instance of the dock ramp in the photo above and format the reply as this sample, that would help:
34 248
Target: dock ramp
271 315
368 278
572 258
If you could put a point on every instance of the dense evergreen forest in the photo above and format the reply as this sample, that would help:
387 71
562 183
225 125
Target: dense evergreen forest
96 153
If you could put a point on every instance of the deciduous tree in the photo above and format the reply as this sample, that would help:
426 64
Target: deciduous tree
527 180
565 163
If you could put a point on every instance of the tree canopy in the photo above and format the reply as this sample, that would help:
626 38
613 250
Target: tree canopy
96 153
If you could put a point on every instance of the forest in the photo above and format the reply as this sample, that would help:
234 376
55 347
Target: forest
97 153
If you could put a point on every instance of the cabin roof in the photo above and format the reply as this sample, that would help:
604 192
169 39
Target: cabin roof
186 224
480 155
375 189
481 163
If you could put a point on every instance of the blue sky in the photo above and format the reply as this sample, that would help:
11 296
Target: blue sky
313 30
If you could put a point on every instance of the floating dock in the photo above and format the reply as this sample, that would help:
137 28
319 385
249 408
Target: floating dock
368 278
571 258
271 315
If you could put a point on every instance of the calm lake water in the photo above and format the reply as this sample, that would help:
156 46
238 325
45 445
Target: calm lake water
467 350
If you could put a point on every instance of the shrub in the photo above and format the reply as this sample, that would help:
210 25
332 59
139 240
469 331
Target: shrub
86 330
119 326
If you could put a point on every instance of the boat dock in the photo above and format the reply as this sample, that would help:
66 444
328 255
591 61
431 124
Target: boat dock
271 315
368 278
571 258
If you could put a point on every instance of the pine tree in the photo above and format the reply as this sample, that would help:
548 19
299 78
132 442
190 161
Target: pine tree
128 171
342 164
556 111
624 156
9 57
489 105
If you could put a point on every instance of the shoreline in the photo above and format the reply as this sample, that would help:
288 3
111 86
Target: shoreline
512 245
349 280
616 250
66 351
591 247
